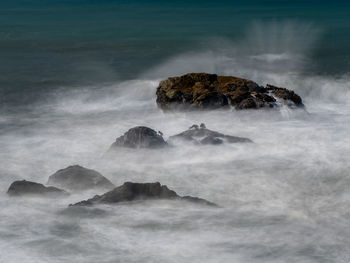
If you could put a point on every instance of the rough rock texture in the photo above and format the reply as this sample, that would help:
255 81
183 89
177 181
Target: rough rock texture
206 91
140 191
285 94
202 135
24 187
140 137
78 178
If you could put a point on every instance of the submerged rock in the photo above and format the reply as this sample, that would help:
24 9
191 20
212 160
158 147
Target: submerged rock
208 91
140 137
24 187
77 178
202 135
140 191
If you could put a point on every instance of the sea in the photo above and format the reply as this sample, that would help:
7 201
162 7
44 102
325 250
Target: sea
77 74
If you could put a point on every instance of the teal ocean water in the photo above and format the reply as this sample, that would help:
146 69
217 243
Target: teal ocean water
77 74
56 43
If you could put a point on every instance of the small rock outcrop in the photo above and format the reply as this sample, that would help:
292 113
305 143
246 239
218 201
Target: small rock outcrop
140 137
24 187
285 94
78 178
210 91
140 191
202 135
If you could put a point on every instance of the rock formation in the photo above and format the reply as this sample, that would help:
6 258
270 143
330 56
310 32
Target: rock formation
209 91
140 137
24 187
202 135
78 178
140 191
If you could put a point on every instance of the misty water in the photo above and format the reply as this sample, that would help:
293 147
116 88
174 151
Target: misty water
283 198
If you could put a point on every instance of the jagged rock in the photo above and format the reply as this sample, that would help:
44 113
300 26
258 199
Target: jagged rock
207 91
140 137
140 191
78 178
202 135
248 103
285 94
24 187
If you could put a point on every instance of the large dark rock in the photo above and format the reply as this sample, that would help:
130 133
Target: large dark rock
78 178
24 187
207 91
139 191
140 137
202 135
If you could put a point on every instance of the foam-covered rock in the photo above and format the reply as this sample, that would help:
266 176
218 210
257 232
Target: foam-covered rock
78 178
140 137
199 134
140 191
19 188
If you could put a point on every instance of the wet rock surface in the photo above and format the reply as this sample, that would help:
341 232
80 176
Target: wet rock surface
140 191
140 137
199 134
285 94
210 91
78 178
19 188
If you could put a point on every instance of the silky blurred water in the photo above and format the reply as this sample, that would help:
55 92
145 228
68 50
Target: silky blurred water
72 84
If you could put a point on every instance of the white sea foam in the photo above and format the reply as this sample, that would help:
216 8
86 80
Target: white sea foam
284 198
272 57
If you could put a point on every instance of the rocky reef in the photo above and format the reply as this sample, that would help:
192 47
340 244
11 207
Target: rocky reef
210 91
140 191
20 188
144 137
199 134
78 178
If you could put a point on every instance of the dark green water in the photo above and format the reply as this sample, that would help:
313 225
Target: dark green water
61 43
